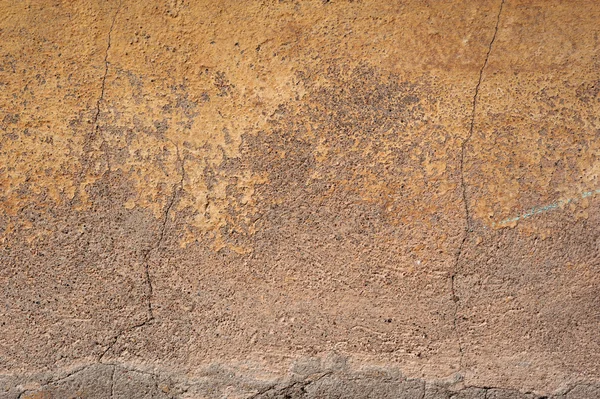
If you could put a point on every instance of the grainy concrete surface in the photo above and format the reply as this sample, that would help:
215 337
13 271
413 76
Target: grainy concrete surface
299 199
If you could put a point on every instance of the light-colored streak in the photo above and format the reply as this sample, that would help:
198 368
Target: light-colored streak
537 210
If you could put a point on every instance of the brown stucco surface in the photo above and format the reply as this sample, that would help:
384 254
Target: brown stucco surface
299 199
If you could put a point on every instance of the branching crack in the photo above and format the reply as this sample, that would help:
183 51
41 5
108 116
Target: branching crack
465 199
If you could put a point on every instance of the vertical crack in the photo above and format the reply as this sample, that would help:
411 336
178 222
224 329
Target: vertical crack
112 382
463 183
92 135
472 124
95 125
106 66
177 188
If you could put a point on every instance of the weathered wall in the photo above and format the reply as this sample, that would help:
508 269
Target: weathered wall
259 199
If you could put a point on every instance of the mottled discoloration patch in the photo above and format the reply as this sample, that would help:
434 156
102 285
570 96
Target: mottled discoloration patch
362 139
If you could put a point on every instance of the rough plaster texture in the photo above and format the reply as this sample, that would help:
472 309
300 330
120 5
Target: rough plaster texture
299 199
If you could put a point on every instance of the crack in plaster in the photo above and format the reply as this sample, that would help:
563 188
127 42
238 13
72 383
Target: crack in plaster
301 384
95 125
463 183
177 188
112 382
